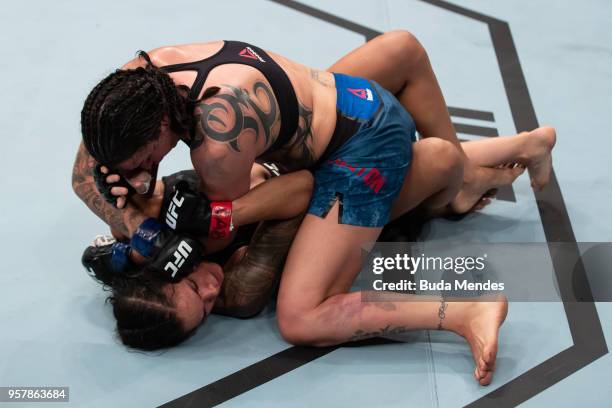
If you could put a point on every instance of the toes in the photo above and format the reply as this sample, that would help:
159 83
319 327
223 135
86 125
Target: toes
516 172
482 203
483 377
486 380
491 193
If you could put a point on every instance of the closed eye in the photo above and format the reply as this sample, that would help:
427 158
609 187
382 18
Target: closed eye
193 285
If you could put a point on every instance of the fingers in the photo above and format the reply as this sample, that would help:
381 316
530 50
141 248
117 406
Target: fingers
119 191
121 202
113 178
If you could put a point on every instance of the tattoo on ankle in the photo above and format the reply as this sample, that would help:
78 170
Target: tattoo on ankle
442 313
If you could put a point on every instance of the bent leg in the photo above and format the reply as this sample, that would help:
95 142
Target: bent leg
314 309
433 179
530 149
399 62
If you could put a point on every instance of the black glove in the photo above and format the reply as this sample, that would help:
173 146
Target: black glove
172 255
105 188
106 259
186 211
170 182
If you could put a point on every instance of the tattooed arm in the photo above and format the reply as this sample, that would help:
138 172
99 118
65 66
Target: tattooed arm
232 127
250 281
124 221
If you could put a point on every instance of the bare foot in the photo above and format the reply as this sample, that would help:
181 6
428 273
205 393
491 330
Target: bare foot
538 159
481 329
448 211
484 201
479 182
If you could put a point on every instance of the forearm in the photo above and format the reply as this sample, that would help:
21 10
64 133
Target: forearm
250 281
278 198
124 221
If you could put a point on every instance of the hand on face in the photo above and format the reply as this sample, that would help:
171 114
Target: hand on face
140 170
140 182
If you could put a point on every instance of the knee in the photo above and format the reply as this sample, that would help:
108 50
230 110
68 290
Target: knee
292 324
404 47
448 161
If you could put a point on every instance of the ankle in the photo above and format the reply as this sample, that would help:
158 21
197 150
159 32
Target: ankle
457 317
525 146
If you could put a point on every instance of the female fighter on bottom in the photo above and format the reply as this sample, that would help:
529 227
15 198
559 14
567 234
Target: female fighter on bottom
152 313
313 306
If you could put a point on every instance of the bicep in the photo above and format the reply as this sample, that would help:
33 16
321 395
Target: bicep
224 176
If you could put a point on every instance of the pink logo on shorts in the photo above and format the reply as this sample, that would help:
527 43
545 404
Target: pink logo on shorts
373 178
362 93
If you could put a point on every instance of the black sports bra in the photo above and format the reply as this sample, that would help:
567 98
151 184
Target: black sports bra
236 52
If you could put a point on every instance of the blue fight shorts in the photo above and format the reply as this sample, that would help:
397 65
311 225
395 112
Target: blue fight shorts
366 172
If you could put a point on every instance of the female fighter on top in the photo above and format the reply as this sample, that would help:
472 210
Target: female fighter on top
353 132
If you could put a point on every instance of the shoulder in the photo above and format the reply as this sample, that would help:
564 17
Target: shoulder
175 54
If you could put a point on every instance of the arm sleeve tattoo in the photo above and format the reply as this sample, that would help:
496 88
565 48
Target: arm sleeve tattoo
249 283
84 186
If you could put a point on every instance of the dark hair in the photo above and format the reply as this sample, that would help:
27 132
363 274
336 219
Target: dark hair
124 111
145 313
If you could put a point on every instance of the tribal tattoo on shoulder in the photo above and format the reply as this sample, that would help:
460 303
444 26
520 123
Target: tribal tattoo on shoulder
301 143
225 116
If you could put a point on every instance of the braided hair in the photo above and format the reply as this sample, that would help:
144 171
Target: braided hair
145 313
124 111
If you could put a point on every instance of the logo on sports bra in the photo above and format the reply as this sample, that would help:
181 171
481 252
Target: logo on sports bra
249 53
362 93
